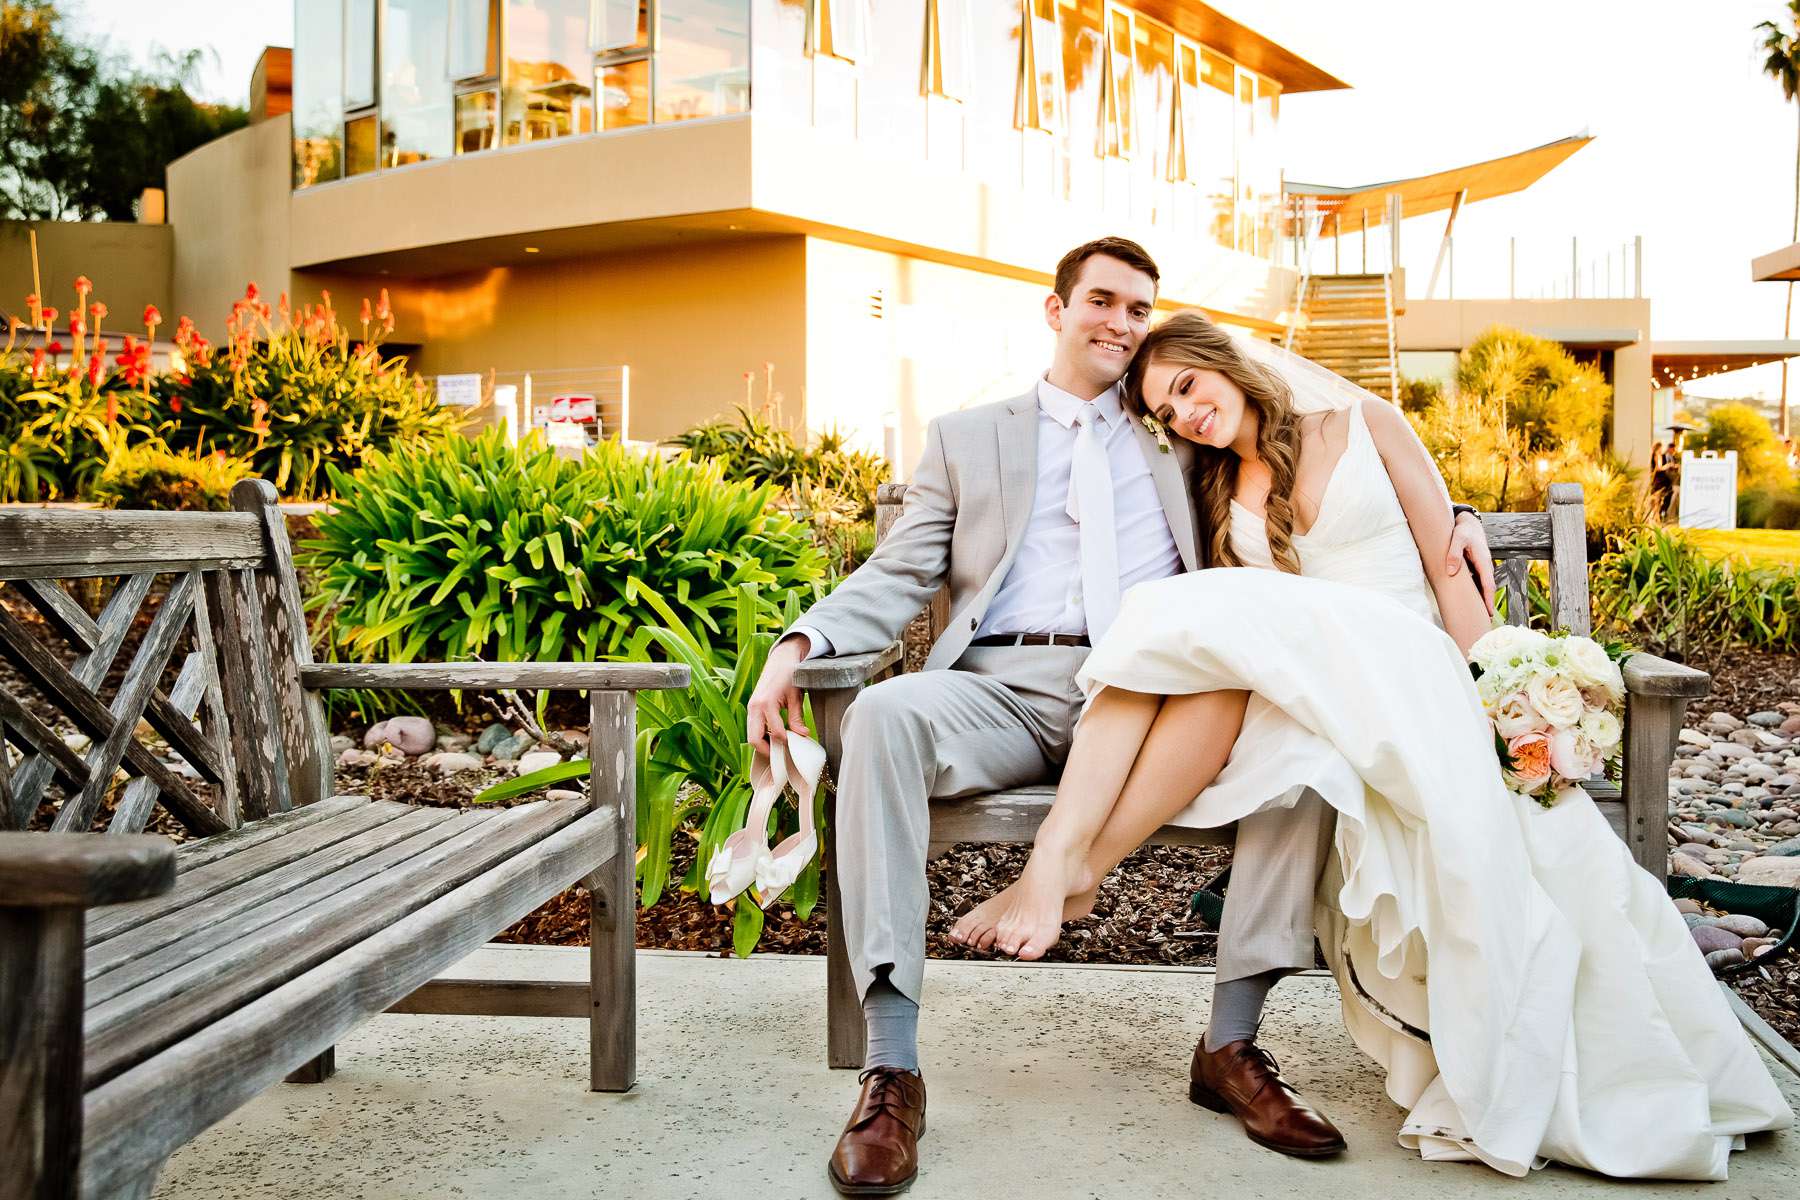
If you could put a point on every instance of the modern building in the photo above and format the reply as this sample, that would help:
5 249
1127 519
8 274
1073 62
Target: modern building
856 206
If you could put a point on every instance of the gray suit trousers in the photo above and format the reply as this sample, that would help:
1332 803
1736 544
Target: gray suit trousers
1004 717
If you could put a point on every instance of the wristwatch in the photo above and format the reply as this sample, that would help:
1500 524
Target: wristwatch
1457 510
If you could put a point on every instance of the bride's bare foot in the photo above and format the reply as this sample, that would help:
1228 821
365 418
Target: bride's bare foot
977 927
1031 921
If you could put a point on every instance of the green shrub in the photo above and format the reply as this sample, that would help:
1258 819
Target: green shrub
1661 591
1536 389
757 450
1762 465
1417 395
1769 508
149 476
481 549
296 397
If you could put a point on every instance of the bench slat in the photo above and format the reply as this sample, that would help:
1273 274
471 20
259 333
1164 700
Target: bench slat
129 1028
190 855
485 676
187 933
191 887
135 1121
1013 816
59 543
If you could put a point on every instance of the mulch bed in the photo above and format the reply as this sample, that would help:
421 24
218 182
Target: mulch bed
1747 681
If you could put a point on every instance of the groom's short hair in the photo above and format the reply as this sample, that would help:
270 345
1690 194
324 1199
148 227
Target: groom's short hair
1125 250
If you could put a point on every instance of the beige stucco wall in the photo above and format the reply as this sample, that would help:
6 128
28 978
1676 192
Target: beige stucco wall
1454 324
688 321
228 204
129 265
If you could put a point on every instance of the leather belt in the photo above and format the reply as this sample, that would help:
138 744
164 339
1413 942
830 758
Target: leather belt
1032 639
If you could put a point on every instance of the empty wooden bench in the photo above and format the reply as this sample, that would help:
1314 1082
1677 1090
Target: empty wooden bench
1657 695
147 991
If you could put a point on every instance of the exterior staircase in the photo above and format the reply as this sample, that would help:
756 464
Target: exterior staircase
1347 326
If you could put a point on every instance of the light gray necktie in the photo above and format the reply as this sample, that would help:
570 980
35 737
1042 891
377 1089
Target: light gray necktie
1091 507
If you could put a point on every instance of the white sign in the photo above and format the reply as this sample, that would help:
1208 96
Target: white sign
459 391
1709 490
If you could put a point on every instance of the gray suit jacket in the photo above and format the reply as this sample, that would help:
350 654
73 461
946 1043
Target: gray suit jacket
967 507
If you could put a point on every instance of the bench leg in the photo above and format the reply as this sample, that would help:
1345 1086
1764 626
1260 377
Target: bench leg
844 1033
1652 727
41 994
316 1070
612 897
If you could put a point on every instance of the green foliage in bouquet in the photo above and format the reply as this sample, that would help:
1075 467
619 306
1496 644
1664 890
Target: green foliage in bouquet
295 396
149 476
482 549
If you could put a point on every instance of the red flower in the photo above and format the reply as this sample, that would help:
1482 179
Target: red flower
367 316
250 293
382 309
112 408
48 315
55 347
31 301
174 403
99 309
152 318
96 365
83 285
37 362
77 325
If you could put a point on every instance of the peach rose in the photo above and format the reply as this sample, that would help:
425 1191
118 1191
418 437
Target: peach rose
1531 759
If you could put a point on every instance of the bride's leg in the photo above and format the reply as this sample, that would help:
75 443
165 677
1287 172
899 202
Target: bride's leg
1187 743
1106 744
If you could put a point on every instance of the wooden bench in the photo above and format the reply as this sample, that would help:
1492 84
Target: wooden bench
147 991
1657 695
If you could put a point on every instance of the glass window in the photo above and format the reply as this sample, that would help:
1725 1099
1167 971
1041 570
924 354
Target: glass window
838 28
1040 68
1211 142
474 38
1246 193
1119 136
1154 61
477 121
416 122
1084 70
359 145
547 90
318 93
358 53
947 63
892 111
619 25
990 116
703 59
780 68
625 94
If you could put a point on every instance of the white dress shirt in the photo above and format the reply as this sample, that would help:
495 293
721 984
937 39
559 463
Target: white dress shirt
1042 591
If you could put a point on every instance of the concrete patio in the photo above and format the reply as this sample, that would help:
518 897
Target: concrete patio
1045 1082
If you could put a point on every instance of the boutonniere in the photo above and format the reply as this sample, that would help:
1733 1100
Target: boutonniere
1157 431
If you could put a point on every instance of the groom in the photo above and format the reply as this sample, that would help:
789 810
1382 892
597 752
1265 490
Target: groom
991 510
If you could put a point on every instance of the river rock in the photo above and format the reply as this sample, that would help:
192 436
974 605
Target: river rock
1791 726
1727 816
1693 737
1768 720
511 748
564 794
341 742
1772 870
1688 867
490 737
449 762
537 760
357 758
1731 750
453 741
1785 849
1711 937
1686 906
1743 924
1724 958
1723 720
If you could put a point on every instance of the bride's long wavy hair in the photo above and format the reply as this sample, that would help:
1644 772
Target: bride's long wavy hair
1188 339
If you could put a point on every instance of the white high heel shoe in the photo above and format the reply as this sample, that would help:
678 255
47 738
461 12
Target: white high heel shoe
777 869
735 863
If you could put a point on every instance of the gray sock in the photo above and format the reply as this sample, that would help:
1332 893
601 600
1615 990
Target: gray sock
1237 1008
892 1021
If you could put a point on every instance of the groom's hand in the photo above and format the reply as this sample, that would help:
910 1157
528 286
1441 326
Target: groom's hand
775 693
1469 546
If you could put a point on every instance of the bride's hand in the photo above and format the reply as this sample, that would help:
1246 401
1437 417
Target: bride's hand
1469 544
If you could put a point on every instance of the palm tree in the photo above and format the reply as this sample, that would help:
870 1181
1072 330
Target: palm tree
1783 65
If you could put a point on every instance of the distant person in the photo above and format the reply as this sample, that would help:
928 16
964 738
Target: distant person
1663 468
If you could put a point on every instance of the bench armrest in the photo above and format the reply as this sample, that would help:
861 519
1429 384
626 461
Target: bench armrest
1648 675
831 672
82 870
624 677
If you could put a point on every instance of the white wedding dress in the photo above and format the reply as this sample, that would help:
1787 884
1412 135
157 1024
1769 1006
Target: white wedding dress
1531 992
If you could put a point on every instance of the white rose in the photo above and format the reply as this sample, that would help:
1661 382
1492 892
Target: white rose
1515 715
1602 729
1588 664
1557 699
1505 645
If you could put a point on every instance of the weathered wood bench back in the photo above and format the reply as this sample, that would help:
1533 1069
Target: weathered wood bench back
1657 695
230 615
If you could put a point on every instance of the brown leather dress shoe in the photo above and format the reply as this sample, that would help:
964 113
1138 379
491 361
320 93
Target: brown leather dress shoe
878 1153
1241 1078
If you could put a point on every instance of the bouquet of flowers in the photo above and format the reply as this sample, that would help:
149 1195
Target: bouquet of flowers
1553 700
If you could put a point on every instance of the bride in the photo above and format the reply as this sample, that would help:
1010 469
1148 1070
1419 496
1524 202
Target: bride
1529 990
